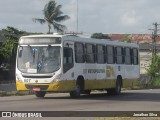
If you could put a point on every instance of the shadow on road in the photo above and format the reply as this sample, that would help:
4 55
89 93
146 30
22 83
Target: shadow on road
124 96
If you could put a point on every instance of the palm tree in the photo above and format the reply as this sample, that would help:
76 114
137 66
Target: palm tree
53 15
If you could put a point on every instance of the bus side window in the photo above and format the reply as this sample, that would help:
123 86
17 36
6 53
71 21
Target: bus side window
67 59
79 53
135 56
127 57
100 54
110 54
90 53
119 55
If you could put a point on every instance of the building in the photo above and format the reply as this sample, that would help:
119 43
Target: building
146 56
145 46
135 38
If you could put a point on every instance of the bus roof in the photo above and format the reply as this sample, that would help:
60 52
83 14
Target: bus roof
83 39
42 35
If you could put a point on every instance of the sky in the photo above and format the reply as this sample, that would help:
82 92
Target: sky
101 16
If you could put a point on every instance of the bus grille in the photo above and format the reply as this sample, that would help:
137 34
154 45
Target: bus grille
26 76
42 87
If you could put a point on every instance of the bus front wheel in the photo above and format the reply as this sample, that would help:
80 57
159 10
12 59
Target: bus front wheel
40 94
76 93
117 89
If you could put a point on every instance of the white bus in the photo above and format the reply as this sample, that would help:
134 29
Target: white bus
68 63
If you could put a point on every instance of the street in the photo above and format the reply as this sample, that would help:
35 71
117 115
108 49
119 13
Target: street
129 100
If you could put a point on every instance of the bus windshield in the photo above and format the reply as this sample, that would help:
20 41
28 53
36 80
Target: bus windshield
38 59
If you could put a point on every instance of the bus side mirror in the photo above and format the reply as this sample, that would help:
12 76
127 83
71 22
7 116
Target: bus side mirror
20 51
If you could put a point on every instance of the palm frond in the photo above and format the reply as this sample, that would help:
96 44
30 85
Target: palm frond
62 18
51 8
42 21
59 27
57 12
53 14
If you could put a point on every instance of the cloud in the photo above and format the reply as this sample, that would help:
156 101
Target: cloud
107 16
131 18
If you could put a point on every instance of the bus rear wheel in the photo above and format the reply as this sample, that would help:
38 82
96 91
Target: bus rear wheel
40 94
117 89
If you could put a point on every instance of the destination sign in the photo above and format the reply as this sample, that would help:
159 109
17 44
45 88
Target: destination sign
39 40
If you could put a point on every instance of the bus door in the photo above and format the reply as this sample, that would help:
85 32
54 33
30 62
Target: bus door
68 61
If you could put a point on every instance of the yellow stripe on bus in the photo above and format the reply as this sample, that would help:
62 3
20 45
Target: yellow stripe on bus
69 85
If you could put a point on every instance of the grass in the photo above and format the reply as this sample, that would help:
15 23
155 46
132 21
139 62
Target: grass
152 84
15 93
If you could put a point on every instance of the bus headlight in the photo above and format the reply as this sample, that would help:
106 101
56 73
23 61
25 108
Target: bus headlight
18 78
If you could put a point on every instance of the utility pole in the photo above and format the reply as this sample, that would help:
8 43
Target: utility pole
154 38
77 15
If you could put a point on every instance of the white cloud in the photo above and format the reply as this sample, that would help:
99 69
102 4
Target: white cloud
131 18
107 16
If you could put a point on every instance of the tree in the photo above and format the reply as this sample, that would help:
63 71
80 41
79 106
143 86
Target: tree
154 68
126 38
100 36
9 46
53 15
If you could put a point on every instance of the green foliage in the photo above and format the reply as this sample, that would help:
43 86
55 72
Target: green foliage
99 36
126 38
154 68
11 33
53 15
9 46
154 83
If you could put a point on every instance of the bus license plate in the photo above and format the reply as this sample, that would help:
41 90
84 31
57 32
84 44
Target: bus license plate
36 89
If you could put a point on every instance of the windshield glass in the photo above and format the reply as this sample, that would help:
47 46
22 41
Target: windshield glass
40 59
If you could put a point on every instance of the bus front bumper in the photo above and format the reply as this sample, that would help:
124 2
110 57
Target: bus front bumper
60 86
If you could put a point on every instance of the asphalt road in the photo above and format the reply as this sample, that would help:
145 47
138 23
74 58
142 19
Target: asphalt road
129 100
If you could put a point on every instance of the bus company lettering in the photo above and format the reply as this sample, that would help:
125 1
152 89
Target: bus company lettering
96 70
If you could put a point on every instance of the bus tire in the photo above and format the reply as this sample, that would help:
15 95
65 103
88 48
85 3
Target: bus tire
79 88
40 94
117 89
76 93
118 86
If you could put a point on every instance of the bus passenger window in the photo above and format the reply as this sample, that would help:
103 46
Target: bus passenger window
119 55
90 53
135 56
110 54
127 58
100 54
67 59
79 53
